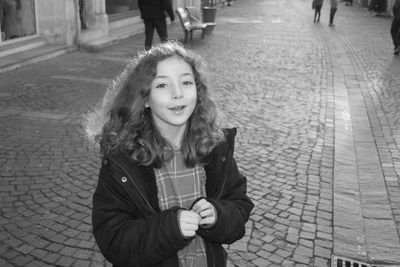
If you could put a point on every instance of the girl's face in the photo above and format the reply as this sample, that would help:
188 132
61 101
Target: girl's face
173 95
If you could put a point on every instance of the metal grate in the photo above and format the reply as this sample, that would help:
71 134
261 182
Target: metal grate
346 262
338 261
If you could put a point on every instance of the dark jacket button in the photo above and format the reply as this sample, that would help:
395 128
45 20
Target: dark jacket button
223 158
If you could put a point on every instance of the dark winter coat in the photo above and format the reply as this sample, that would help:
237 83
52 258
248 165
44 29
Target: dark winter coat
155 9
318 2
130 229
396 10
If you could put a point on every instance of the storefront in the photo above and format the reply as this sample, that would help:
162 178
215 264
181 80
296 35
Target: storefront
17 20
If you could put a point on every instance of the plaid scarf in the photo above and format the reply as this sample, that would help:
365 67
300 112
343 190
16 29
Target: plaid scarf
179 185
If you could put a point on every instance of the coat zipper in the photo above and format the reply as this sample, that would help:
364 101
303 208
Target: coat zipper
133 182
223 186
222 189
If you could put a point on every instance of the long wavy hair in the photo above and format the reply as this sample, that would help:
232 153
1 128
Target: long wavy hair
120 122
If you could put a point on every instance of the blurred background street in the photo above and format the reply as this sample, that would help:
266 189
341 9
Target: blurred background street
318 115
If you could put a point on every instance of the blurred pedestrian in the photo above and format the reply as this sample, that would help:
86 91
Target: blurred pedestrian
349 2
334 4
153 15
395 27
169 191
317 4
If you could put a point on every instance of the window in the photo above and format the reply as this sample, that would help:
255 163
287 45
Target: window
17 19
120 6
189 3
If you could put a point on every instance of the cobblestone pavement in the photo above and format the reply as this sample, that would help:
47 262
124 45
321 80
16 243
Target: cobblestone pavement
276 76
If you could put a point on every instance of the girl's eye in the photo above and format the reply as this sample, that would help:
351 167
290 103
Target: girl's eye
187 83
161 85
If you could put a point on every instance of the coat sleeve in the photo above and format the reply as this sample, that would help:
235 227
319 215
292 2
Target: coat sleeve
233 210
232 204
123 236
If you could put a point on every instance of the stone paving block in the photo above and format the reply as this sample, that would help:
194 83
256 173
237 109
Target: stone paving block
39 253
65 261
292 238
51 258
322 252
36 263
55 247
261 262
238 246
304 251
275 258
283 253
306 242
253 248
25 249
300 259
287 263
326 236
321 262
85 244
350 250
81 263
67 251
307 235
382 238
268 238
268 248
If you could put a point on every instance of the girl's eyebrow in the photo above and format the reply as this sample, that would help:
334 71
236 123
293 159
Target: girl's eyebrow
166 76
161 76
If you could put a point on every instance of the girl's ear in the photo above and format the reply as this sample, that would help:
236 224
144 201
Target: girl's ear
146 104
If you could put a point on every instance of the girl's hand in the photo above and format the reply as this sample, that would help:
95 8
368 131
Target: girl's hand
188 222
206 211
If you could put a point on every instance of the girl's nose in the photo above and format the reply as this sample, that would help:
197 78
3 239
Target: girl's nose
176 91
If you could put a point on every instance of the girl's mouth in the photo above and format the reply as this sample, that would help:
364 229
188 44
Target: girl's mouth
177 108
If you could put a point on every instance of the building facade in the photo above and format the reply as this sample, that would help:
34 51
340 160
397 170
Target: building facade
72 23
25 19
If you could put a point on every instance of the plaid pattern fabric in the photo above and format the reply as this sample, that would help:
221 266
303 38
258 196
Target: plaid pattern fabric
180 186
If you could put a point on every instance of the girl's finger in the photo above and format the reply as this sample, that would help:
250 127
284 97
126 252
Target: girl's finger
205 213
201 205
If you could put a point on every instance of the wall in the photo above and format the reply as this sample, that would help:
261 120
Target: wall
56 21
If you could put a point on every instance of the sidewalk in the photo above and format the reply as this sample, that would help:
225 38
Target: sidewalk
317 111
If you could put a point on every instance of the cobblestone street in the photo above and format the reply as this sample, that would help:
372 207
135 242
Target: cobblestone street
318 115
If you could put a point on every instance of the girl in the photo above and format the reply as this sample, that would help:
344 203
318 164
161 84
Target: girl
169 191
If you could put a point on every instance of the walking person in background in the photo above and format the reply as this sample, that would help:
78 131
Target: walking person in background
395 27
169 191
317 4
153 15
334 4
